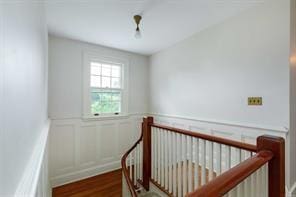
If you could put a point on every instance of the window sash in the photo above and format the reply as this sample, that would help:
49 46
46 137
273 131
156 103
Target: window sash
110 79
108 101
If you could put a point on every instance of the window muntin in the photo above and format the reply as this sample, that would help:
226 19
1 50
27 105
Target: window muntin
105 88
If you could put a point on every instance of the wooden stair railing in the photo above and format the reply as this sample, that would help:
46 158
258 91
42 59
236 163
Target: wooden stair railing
185 163
128 172
271 151
222 184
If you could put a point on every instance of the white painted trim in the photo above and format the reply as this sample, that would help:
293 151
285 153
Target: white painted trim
102 118
29 182
89 55
85 173
289 192
228 123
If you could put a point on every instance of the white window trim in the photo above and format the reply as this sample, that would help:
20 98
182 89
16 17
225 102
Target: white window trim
96 56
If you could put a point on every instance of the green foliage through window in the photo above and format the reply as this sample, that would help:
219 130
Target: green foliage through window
105 102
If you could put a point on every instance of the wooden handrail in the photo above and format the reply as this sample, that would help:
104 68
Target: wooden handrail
124 168
231 178
219 140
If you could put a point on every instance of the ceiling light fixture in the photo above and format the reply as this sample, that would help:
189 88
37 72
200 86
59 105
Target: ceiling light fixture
137 19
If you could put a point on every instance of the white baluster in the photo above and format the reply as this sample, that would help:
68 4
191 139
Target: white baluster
135 166
196 164
179 159
131 165
243 155
253 186
257 181
239 152
166 178
141 160
162 158
185 165
265 170
174 164
239 190
249 154
170 148
189 150
245 188
159 156
233 192
228 157
138 161
155 153
219 160
203 162
211 160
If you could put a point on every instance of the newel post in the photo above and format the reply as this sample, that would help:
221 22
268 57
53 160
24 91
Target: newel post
147 151
276 166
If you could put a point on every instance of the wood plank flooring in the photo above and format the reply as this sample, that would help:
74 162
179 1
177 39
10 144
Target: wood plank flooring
104 185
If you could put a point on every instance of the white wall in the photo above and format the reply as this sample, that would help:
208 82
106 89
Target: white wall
80 148
23 88
65 77
210 75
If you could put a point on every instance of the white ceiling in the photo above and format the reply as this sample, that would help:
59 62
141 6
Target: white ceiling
165 22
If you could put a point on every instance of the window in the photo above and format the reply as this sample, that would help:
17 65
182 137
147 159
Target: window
105 87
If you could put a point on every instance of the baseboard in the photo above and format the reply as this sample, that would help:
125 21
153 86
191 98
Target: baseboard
289 192
29 182
83 174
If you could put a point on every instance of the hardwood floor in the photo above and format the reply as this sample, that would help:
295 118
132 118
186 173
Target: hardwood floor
104 185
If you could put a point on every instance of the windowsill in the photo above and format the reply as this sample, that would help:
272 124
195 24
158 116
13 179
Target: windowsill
106 117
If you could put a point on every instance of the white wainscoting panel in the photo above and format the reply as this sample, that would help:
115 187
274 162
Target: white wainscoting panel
83 148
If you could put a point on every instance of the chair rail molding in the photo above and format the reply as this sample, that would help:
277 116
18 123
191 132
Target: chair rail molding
34 181
276 129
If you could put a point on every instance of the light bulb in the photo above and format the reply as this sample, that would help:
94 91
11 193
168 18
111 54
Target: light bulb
138 34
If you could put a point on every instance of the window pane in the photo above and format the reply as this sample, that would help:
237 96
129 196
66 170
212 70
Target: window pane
106 96
105 107
115 107
106 82
104 102
95 68
116 96
116 71
106 70
95 81
116 83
